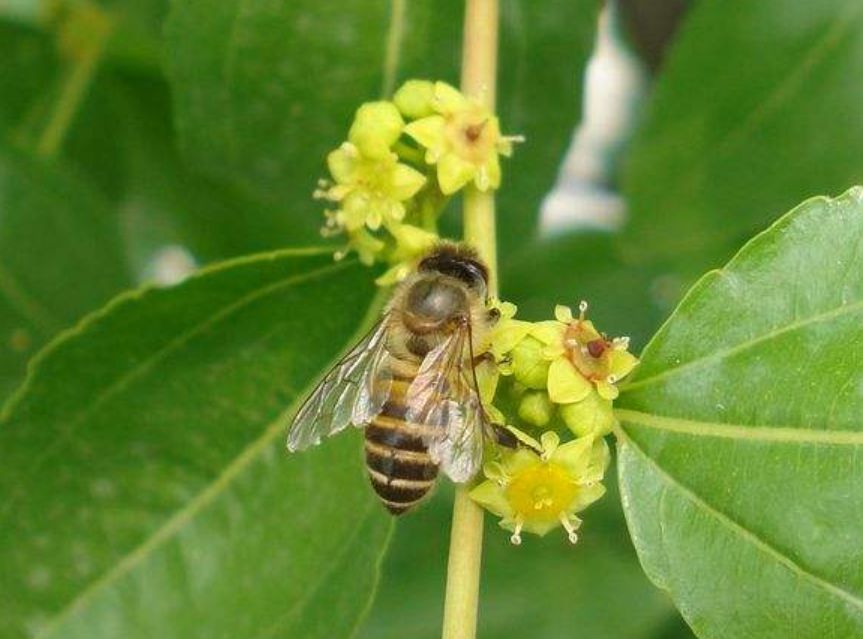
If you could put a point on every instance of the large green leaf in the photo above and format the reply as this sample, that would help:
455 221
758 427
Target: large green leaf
742 435
753 112
147 492
264 90
59 256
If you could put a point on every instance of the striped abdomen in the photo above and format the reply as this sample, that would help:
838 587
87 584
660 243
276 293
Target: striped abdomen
397 459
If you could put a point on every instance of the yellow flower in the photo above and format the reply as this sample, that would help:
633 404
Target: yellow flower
541 486
463 138
581 357
371 191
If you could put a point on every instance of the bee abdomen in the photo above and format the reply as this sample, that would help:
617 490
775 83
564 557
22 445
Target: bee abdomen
399 466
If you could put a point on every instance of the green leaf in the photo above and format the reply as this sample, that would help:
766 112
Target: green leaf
739 454
147 491
752 113
59 256
264 91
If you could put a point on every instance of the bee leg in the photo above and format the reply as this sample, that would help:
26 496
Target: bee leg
482 358
504 437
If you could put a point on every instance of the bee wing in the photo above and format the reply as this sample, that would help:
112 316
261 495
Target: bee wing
353 391
444 395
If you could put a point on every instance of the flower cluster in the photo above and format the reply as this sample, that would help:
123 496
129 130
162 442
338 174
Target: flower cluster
558 375
401 162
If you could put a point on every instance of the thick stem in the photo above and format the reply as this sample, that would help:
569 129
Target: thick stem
77 78
479 70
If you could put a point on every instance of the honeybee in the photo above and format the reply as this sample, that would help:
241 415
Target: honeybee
411 383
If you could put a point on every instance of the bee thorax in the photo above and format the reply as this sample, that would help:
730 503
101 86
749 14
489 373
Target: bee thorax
431 303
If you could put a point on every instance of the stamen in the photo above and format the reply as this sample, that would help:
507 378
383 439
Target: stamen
515 539
582 309
570 529
611 379
622 342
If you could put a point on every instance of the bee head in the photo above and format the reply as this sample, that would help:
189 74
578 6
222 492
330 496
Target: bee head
458 261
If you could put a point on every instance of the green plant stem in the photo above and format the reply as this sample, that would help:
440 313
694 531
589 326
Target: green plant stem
394 41
73 89
479 70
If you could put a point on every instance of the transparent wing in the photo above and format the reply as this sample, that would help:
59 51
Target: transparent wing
353 391
444 396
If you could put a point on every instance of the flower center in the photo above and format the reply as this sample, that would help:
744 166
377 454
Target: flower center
472 136
586 351
541 492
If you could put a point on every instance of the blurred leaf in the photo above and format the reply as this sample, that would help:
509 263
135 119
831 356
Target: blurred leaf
544 589
263 91
29 66
742 433
753 112
584 266
147 491
59 256
164 203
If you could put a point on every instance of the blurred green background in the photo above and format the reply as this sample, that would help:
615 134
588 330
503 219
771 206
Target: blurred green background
141 141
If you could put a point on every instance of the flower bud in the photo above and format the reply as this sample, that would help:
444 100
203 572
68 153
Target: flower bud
535 408
529 367
376 127
590 416
414 98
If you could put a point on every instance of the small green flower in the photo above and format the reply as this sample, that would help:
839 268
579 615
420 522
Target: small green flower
462 137
540 487
371 191
376 127
582 358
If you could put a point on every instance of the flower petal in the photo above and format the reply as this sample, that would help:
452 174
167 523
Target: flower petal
565 384
621 362
606 390
549 332
453 173
429 131
342 163
563 313
405 182
490 495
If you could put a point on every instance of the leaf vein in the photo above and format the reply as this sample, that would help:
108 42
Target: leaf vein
745 345
787 434
146 365
747 535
